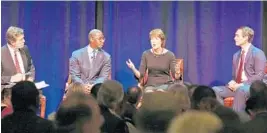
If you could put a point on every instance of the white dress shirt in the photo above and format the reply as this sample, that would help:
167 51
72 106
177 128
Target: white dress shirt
21 66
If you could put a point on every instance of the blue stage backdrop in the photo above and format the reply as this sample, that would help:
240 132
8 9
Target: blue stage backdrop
199 32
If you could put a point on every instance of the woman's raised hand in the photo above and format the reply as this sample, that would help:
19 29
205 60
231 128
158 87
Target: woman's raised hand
130 64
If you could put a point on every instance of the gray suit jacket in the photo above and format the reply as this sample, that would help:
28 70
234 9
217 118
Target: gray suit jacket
8 68
254 64
80 65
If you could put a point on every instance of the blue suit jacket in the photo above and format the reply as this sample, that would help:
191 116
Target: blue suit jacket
80 65
254 64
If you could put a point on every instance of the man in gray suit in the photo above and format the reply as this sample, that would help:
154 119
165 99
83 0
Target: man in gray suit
16 62
91 64
248 66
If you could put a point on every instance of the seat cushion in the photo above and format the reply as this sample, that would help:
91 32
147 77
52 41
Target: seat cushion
228 102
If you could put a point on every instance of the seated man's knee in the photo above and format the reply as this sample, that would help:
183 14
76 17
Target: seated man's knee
243 90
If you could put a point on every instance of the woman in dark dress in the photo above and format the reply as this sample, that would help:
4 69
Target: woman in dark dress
157 64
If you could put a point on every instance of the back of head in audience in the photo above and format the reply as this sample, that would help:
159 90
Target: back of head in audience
75 87
195 122
258 86
181 92
199 93
256 104
191 89
110 94
95 89
208 104
178 88
129 103
79 113
231 120
133 94
156 112
6 97
25 96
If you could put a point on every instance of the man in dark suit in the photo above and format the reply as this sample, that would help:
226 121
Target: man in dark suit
248 66
91 65
109 97
130 101
16 63
256 106
79 113
25 101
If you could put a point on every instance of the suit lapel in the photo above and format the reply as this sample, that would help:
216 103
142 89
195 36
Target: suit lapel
249 53
85 57
24 58
7 59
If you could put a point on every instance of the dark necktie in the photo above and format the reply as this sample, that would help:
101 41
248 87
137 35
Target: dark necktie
94 54
241 63
17 62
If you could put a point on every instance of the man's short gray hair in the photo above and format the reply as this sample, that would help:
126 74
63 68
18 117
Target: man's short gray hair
110 94
12 33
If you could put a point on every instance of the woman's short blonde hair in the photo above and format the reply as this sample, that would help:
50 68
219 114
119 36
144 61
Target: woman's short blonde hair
158 33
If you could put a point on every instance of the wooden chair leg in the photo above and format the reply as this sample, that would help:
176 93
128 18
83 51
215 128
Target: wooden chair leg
42 106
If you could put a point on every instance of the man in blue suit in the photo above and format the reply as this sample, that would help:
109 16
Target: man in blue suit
91 64
248 66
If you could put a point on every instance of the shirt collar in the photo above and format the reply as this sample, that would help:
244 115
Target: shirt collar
246 47
90 49
10 48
